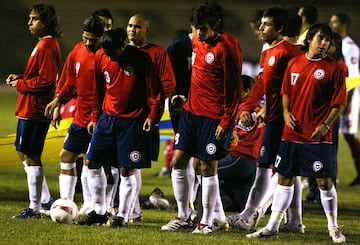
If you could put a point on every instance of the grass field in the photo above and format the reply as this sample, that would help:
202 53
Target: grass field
13 198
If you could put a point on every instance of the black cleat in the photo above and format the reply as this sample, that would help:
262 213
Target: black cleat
94 219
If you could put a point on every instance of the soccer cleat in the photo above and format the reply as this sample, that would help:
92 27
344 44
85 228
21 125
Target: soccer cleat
202 229
47 205
93 218
336 235
242 224
175 224
219 225
27 213
232 219
134 217
291 228
262 233
119 222
85 209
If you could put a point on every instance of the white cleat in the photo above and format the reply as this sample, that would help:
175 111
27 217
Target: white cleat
262 233
202 229
336 235
175 224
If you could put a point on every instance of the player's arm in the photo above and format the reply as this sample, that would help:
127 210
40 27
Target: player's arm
323 128
289 118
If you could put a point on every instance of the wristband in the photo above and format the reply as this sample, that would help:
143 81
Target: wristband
326 125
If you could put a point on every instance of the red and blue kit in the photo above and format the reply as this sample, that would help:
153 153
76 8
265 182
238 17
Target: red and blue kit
320 80
36 86
77 81
216 79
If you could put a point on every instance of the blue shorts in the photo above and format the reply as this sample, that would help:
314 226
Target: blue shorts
308 160
120 140
155 142
30 136
270 144
196 136
77 139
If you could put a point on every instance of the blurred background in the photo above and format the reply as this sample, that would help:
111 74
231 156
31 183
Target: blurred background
166 17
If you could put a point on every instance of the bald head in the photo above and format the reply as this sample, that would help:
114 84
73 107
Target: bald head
137 29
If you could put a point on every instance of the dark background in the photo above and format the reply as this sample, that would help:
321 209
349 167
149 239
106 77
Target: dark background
165 18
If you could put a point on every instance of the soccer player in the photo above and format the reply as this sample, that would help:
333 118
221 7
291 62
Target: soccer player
309 15
207 115
349 120
36 88
273 62
313 96
106 17
76 81
128 98
138 29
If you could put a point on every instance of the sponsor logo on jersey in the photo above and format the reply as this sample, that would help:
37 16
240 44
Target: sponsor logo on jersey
319 74
271 61
135 156
209 58
129 70
211 149
317 166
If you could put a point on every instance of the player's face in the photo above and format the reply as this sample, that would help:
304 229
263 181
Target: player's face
91 41
137 30
334 24
267 31
36 27
204 32
318 45
108 23
332 48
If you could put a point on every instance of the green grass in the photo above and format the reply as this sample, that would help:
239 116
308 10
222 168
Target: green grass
13 198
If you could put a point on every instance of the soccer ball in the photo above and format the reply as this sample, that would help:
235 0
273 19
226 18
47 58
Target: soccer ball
63 211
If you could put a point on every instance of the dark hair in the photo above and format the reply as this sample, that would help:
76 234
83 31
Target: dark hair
247 81
256 19
322 27
103 13
209 13
311 14
344 19
94 25
336 38
279 16
294 25
49 18
113 39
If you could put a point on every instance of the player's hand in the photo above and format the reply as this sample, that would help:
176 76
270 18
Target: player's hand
12 80
49 109
319 132
56 118
246 119
261 115
91 127
290 120
147 125
219 133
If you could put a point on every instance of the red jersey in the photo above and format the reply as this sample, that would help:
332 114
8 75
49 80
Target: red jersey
36 86
128 87
216 79
314 86
163 65
77 80
246 143
273 62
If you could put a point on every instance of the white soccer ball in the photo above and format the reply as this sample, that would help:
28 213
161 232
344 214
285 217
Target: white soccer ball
63 211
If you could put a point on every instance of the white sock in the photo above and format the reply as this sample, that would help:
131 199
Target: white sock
294 212
136 203
210 191
85 186
268 197
281 202
127 192
34 179
191 178
181 192
257 192
329 203
219 213
67 185
97 186
45 192
112 188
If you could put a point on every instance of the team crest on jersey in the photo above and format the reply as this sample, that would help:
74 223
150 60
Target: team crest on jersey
209 58
34 51
319 74
135 156
317 166
271 61
129 70
211 149
262 151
